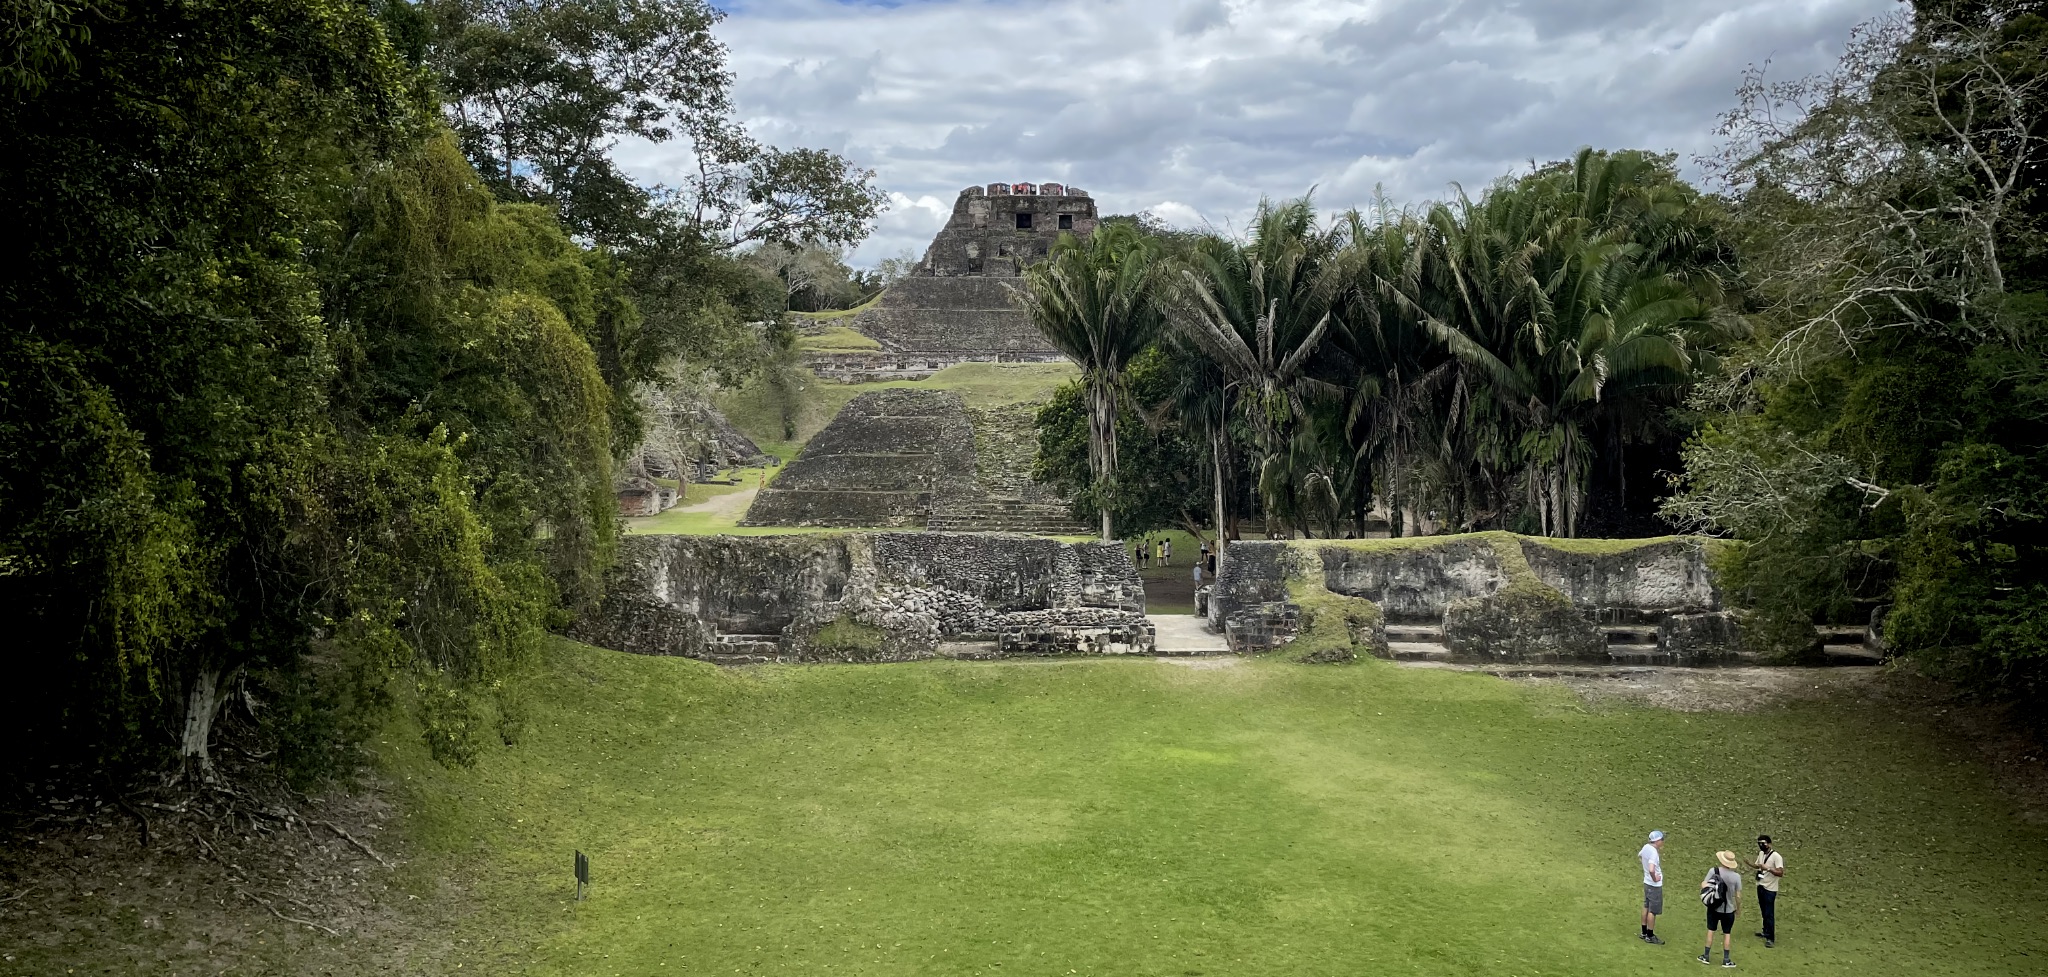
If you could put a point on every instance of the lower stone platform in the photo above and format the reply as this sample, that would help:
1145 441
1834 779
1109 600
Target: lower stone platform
1483 597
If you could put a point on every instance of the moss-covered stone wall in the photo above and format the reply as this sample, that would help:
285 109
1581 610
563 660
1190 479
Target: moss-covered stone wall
1495 596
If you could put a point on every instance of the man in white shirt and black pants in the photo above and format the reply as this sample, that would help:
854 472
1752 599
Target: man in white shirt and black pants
1770 868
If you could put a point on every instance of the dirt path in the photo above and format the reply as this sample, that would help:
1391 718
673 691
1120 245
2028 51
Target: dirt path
1735 689
733 504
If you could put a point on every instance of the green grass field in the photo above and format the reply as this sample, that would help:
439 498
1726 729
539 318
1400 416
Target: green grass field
836 339
1141 818
831 314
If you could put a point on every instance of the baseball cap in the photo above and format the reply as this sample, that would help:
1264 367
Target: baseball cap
1656 836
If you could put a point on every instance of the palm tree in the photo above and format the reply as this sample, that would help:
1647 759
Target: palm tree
1552 294
1402 372
1260 309
1201 401
1092 299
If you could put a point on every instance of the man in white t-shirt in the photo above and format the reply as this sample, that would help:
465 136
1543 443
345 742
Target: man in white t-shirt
1770 870
1652 857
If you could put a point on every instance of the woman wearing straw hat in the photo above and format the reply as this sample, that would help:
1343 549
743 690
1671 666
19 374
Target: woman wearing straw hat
1721 892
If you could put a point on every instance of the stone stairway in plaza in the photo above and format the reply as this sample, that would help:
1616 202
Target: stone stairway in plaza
1417 640
1002 496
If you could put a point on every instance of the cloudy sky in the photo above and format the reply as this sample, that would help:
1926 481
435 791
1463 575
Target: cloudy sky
1195 108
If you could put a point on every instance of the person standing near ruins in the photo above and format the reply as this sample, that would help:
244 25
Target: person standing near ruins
1724 885
1652 857
1165 552
1770 868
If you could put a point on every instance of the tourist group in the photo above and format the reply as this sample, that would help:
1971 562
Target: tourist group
1720 894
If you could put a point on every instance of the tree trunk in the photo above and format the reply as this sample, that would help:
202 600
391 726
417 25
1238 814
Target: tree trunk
1621 480
1217 438
201 703
1102 445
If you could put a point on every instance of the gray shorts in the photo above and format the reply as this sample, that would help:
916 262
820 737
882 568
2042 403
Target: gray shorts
1653 899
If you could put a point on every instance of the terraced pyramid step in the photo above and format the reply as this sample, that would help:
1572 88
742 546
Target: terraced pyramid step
880 463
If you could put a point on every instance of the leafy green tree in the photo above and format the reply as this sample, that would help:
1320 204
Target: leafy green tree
1162 466
1092 299
1398 372
540 91
1881 442
291 410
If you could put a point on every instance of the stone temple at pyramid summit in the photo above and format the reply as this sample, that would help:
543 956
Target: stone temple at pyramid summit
955 307
923 459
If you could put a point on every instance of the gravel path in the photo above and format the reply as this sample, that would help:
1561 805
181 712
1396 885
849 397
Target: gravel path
1185 634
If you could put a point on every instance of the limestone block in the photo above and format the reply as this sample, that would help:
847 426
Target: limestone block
1669 576
1075 631
878 464
1414 581
1262 627
1251 573
643 626
1693 639
1522 626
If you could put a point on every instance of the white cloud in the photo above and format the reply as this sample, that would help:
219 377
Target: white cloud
1178 214
1208 105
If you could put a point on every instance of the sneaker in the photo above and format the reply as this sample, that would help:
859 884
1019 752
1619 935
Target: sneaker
1760 935
1703 958
1770 943
1730 964
1652 938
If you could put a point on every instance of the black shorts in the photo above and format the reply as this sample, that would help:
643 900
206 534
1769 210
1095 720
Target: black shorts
1725 922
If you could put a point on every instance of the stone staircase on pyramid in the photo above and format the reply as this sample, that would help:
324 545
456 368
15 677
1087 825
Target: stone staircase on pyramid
1002 498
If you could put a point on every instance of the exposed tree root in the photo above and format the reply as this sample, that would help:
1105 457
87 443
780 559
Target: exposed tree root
289 919
331 826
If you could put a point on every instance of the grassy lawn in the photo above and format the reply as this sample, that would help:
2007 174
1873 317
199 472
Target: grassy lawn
1141 818
831 314
836 339
699 492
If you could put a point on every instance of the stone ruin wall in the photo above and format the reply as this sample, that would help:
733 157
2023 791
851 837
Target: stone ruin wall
1494 596
743 600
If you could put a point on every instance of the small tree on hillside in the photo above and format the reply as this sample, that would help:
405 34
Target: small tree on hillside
1092 300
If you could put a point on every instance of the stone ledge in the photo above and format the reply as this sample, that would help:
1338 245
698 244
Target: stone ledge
847 597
